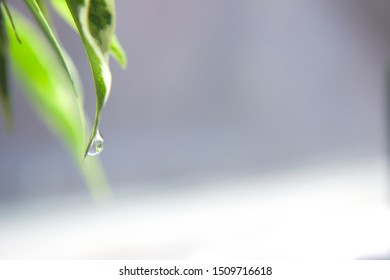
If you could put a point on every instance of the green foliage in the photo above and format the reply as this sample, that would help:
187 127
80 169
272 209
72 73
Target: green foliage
47 84
61 7
48 75
96 36
4 94
116 49
117 52
100 19
67 63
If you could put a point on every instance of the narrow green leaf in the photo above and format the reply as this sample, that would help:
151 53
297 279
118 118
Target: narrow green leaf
41 18
61 7
45 80
47 84
117 52
4 94
5 10
116 49
45 10
95 21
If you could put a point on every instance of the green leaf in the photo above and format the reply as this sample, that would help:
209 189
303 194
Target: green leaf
117 52
61 7
41 72
47 84
116 49
5 10
4 94
42 5
41 17
95 21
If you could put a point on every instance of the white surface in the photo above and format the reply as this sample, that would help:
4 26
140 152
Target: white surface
327 212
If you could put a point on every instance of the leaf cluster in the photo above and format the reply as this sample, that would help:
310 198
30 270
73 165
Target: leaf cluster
46 72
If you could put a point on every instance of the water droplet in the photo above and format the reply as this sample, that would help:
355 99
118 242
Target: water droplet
97 145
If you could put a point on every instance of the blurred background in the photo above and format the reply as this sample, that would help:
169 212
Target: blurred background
240 129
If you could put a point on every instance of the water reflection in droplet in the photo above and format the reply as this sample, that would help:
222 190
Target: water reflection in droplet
97 145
